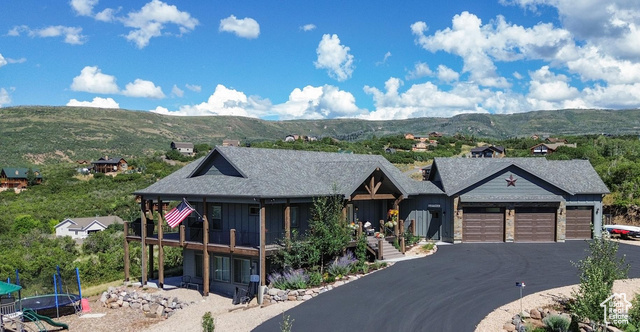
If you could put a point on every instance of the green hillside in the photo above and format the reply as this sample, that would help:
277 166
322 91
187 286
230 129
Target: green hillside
41 134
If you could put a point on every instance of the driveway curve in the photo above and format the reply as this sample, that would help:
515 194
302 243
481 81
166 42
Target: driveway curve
452 290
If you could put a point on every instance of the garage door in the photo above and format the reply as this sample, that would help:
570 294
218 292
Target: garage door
535 225
483 225
579 223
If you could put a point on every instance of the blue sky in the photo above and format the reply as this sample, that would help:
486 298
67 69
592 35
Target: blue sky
321 59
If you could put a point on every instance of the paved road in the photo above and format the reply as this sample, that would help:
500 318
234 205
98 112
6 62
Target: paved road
452 290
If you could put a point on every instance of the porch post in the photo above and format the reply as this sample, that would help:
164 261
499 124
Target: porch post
151 221
126 252
263 251
205 251
287 220
160 248
143 245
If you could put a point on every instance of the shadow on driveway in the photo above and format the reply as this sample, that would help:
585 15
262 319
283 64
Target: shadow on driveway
452 290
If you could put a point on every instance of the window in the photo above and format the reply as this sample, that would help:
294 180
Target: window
221 269
241 270
254 210
216 217
198 265
293 210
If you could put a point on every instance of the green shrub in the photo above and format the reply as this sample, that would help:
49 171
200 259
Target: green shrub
287 323
429 246
598 271
98 175
341 266
557 323
410 239
315 279
634 311
208 324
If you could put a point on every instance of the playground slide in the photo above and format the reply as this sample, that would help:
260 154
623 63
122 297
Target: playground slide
30 314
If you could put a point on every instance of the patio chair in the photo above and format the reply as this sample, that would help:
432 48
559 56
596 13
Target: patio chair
368 229
185 281
245 295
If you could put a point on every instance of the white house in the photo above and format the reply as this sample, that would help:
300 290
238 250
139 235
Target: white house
80 228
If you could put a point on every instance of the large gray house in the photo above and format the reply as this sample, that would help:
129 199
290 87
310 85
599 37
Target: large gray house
249 198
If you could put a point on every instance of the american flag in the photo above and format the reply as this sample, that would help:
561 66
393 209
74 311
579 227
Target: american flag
178 214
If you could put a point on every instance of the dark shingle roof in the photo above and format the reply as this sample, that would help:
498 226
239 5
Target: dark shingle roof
272 173
20 173
108 161
572 176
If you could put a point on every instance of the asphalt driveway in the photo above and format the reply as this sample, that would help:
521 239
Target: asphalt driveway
449 291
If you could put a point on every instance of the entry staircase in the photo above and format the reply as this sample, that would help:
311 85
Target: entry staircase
388 250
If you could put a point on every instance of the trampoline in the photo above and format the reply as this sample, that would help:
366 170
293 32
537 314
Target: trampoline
49 301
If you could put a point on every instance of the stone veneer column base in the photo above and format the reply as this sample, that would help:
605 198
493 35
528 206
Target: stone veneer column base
509 224
561 222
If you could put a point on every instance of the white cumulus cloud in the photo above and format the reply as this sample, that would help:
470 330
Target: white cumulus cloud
2 60
5 98
91 79
334 57
152 19
318 103
144 89
72 35
96 102
447 74
420 69
83 7
308 27
176 91
245 28
223 101
193 87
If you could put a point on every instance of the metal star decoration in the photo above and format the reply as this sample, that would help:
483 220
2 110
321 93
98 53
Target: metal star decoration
511 181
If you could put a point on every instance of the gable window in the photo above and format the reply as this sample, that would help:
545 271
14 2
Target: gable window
216 217
221 269
241 270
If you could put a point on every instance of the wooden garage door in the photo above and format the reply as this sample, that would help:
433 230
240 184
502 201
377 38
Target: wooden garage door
579 223
535 225
483 225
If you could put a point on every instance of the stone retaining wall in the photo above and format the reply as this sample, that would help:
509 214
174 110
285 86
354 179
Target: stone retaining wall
151 305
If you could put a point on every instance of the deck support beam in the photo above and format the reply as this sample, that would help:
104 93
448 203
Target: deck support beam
127 261
160 248
205 252
287 220
143 233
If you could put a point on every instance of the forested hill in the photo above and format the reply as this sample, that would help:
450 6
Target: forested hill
43 134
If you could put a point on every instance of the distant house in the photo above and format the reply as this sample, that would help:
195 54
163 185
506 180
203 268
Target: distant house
80 228
185 148
435 134
230 142
535 137
16 178
290 138
544 149
556 140
420 147
409 136
488 151
108 165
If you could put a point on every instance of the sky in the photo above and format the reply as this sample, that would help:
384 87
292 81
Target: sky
282 60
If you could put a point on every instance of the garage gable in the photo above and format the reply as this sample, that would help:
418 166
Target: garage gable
512 182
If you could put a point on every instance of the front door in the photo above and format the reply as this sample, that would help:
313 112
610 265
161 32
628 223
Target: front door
433 233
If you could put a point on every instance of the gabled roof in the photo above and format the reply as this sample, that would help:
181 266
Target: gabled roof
273 173
499 149
108 161
20 173
553 146
83 223
183 145
571 176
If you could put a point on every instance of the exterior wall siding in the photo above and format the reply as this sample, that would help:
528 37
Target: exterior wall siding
423 210
526 184
219 287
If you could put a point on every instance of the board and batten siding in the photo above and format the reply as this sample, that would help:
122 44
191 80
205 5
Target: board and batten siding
275 220
592 200
226 288
422 209
372 211
526 184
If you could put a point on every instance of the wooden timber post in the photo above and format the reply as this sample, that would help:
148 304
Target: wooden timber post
359 229
380 253
232 239
182 236
402 243
151 221
126 252
205 247
263 251
287 220
413 227
160 248
143 244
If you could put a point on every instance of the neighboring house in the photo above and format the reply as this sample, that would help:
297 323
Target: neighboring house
435 134
544 149
487 152
420 147
185 148
16 178
230 142
108 165
250 198
535 137
409 136
555 140
291 138
80 228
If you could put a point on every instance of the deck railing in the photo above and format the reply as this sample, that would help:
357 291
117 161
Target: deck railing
8 308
